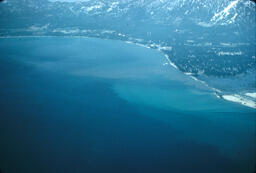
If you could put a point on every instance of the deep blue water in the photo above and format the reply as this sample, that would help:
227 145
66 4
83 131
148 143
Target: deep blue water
91 105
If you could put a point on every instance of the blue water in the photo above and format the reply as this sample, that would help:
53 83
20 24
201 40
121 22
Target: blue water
92 105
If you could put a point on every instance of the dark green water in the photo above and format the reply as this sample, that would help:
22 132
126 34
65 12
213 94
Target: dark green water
94 106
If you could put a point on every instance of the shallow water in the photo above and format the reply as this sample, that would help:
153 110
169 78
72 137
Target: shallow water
92 105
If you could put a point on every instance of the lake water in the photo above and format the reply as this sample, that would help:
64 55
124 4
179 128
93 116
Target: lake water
94 106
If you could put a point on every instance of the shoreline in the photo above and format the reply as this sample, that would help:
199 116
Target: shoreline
235 98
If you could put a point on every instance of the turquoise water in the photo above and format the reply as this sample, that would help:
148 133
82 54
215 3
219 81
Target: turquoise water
92 105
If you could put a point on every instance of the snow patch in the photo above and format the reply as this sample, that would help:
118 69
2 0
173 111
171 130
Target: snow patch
239 99
253 95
